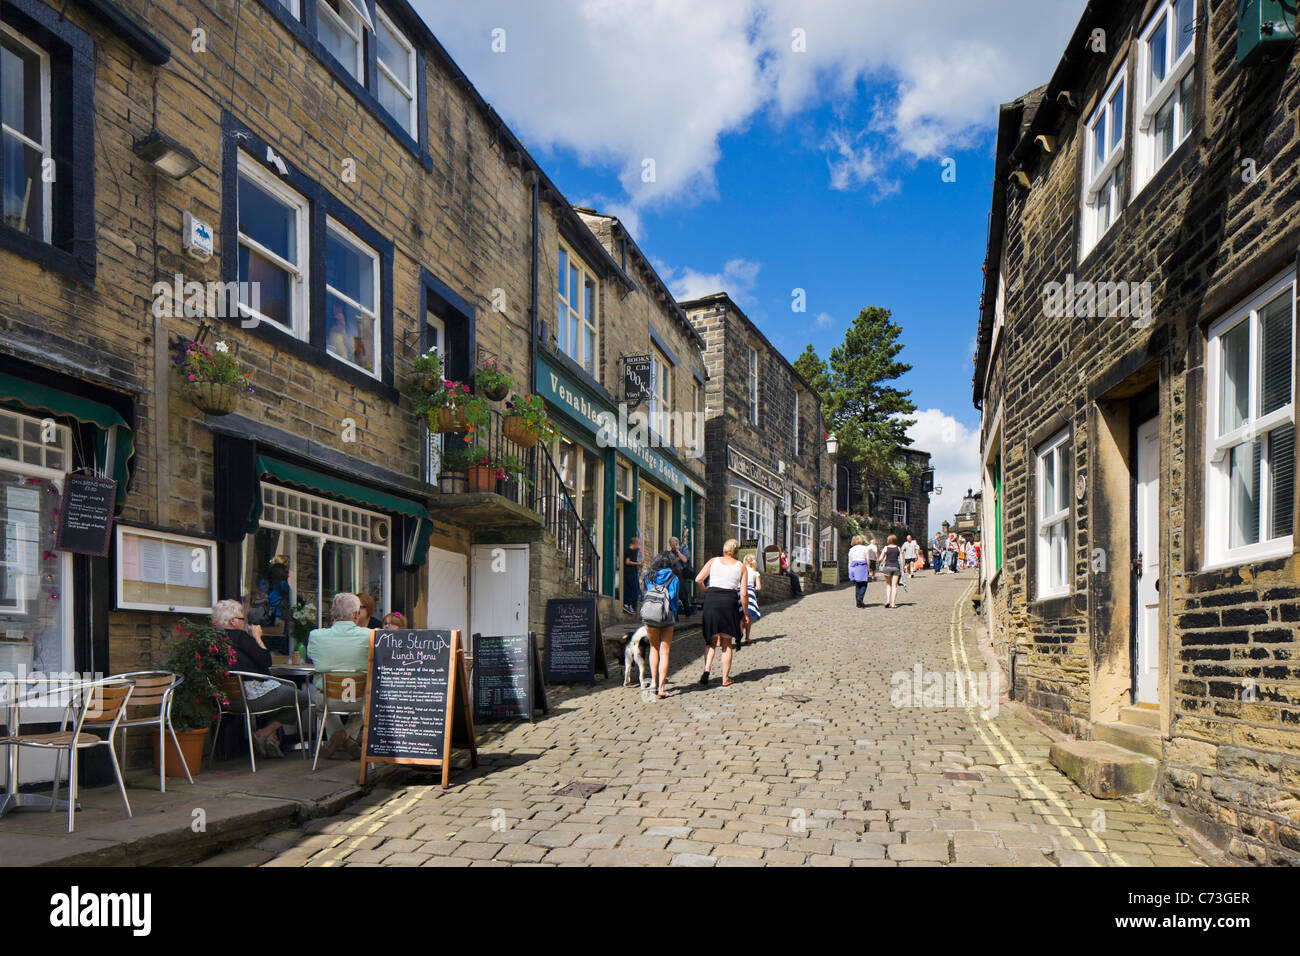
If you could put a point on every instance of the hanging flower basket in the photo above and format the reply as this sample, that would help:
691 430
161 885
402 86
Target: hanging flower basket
519 432
429 380
493 382
443 420
481 478
496 392
215 398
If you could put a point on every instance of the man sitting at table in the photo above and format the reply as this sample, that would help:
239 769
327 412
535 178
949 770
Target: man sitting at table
344 646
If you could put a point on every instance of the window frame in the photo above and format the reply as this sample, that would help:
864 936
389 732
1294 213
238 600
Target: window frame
563 322
262 178
1110 177
1218 448
322 6
1045 523
411 86
661 395
1148 103
896 503
333 224
45 147
796 423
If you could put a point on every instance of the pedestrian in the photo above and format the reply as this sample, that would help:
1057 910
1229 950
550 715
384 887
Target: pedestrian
681 558
858 569
724 576
632 576
872 557
662 575
796 586
937 552
950 552
393 621
755 581
910 550
891 566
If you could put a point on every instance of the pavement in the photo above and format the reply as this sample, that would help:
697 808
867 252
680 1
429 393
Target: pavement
843 742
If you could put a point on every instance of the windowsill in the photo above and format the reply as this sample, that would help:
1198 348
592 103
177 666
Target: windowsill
322 359
573 368
1279 554
1053 606
49 256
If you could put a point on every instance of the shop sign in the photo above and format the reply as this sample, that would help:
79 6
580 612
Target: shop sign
754 473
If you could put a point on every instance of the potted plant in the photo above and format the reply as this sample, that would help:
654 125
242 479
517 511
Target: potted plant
481 469
493 381
304 621
213 380
451 475
200 656
527 422
426 371
451 408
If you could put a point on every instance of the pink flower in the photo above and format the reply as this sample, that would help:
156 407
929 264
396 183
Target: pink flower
465 388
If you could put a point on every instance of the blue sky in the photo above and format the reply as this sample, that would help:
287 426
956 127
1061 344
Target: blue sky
795 145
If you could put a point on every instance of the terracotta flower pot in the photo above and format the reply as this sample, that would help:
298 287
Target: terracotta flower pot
519 433
215 398
193 743
448 420
481 478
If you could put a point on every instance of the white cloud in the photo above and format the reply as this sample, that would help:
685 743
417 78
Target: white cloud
623 81
824 320
954 455
737 279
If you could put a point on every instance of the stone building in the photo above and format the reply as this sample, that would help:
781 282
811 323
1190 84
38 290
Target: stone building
768 472
886 503
1135 369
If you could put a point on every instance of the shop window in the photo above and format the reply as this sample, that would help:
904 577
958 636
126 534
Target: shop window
1055 479
352 299
1250 428
1165 86
752 516
272 250
1103 169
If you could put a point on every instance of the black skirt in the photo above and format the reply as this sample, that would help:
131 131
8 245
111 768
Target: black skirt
721 616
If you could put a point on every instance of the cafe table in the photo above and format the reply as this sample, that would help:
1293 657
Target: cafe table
14 695
300 674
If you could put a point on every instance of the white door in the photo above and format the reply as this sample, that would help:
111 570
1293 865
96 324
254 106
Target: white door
498 588
447 593
1148 562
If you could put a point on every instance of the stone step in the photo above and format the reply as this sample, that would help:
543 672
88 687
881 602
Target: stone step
1140 716
1102 769
1142 740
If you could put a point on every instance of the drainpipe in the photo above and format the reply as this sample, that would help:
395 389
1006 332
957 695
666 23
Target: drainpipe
532 348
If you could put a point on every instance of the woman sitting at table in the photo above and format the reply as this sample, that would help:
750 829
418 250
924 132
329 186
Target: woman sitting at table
252 656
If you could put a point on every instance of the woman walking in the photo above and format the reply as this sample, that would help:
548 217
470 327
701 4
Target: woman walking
755 581
859 564
724 576
891 566
662 574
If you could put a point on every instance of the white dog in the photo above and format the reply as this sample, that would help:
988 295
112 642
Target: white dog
636 647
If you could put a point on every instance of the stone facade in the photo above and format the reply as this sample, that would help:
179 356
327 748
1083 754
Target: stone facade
1208 235
857 497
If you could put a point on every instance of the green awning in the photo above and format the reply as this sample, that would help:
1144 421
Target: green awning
328 485
113 429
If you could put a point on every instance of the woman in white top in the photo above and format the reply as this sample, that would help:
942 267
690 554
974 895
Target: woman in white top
728 591
859 569
755 581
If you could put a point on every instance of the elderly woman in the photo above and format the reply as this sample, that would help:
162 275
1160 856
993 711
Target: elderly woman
251 656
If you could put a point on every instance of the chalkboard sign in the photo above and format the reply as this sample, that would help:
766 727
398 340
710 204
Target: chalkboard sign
417 708
574 648
507 678
86 517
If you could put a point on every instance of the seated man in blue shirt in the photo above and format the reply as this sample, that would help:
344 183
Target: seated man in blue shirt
343 646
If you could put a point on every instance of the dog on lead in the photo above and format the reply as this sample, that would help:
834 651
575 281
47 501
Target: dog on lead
635 646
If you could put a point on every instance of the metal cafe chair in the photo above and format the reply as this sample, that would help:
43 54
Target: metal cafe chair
238 701
151 706
102 703
345 693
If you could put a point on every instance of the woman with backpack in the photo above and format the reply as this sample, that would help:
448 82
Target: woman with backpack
657 614
724 576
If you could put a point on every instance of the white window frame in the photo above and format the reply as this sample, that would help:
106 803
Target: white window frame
1048 520
1109 179
47 120
407 86
1148 103
253 170
1218 447
802 551
753 385
661 396
571 310
755 517
897 521
293 8
355 30
378 336
433 440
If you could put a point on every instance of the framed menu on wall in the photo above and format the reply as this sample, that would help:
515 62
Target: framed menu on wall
157 571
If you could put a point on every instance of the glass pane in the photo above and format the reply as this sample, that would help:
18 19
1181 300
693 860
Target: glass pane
1275 334
1047 465
32 588
268 221
1164 131
374 579
574 286
589 353
1063 480
1183 10
1186 100
561 326
1281 463
269 288
391 49
1099 144
24 192
1243 481
395 102
575 342
1116 119
20 94
1234 380
564 268
589 302
338 570
1156 56
349 269
335 38
351 333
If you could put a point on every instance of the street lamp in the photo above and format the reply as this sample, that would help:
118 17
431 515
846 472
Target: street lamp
833 446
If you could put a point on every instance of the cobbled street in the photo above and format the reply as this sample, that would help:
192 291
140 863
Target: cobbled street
753 775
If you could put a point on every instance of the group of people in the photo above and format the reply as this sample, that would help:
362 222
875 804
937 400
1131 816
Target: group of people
343 646
897 563
949 555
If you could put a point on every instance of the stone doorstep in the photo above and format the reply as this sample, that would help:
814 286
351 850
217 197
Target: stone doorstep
1140 716
1102 769
1135 737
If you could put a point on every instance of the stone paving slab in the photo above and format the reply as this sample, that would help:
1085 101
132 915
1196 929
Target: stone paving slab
740 776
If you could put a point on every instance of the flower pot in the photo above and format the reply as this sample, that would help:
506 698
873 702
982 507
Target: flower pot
427 381
519 433
451 483
215 398
448 420
497 392
480 479
193 743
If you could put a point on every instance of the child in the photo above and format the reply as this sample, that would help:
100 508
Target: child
393 621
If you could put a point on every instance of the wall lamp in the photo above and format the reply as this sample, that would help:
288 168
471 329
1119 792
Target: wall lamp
166 155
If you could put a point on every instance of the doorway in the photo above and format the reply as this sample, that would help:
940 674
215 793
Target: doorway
1146 563
448 595
498 587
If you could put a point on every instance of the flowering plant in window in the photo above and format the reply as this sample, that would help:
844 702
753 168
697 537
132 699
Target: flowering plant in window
201 655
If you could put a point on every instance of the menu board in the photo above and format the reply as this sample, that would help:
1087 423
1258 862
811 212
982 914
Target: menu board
86 517
574 648
157 571
507 678
416 682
